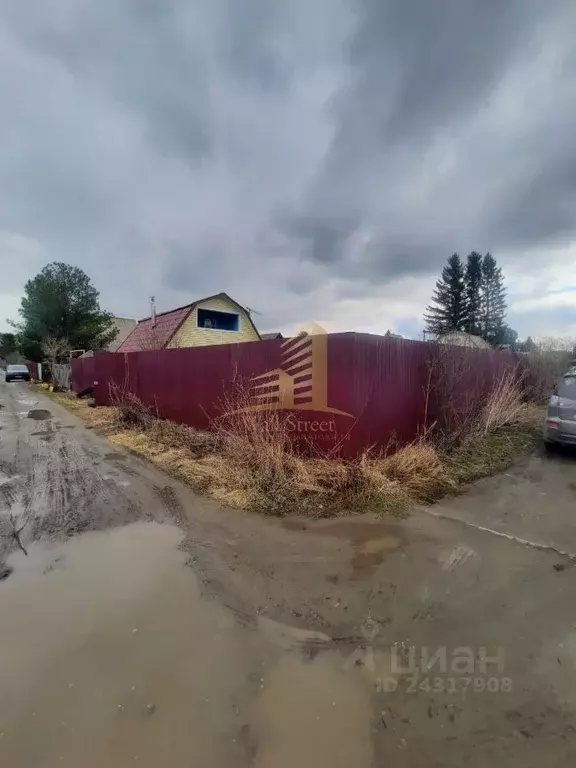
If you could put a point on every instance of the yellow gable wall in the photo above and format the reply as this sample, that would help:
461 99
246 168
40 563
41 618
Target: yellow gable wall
190 335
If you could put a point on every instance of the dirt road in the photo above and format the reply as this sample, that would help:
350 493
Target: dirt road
147 624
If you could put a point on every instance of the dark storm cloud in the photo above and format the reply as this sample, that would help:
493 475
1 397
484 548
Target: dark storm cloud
419 70
420 65
327 236
193 269
140 56
264 148
542 208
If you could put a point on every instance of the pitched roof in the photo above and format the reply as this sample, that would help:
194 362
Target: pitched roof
146 336
265 336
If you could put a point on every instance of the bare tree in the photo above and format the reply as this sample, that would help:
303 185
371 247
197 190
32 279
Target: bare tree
566 344
549 359
56 350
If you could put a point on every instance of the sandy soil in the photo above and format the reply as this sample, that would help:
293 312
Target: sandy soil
146 622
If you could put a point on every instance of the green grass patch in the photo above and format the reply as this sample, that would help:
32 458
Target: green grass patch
486 455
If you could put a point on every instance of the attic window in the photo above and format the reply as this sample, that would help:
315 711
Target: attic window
218 321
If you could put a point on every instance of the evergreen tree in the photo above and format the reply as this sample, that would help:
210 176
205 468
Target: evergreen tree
508 338
447 311
527 346
62 302
473 293
7 346
493 305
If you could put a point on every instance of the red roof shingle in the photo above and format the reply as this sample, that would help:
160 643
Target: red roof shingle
146 336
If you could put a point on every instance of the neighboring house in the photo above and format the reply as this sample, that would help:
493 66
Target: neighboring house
463 339
125 326
266 336
215 319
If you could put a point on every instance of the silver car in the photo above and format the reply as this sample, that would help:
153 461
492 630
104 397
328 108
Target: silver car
560 426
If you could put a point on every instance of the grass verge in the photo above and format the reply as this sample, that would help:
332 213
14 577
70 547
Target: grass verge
254 468
485 455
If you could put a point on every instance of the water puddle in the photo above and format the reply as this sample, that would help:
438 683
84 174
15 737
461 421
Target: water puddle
109 655
312 715
39 414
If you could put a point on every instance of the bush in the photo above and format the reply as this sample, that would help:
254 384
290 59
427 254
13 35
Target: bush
543 369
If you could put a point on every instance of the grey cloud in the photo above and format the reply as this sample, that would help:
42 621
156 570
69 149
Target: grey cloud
431 62
420 70
542 209
192 266
326 235
266 148
139 56
248 44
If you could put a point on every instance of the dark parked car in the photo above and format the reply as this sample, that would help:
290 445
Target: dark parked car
560 427
17 373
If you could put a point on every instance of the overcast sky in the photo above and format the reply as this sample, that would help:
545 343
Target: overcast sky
316 159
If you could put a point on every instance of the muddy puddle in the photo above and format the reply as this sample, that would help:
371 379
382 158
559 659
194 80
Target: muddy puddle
39 414
109 655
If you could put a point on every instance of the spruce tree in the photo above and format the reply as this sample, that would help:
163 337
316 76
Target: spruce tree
447 311
473 293
493 301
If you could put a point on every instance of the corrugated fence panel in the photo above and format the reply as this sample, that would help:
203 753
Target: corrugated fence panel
372 391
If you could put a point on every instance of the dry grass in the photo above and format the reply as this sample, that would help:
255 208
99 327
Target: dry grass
132 412
507 426
505 405
420 470
250 461
102 419
195 441
485 455
258 458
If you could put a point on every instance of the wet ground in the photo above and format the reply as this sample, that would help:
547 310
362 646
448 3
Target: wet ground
140 623
111 656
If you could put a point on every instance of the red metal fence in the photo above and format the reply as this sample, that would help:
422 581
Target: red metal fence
365 390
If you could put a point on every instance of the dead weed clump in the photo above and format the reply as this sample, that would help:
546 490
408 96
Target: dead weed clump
505 405
259 466
196 441
257 462
508 426
484 455
132 411
420 471
260 461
